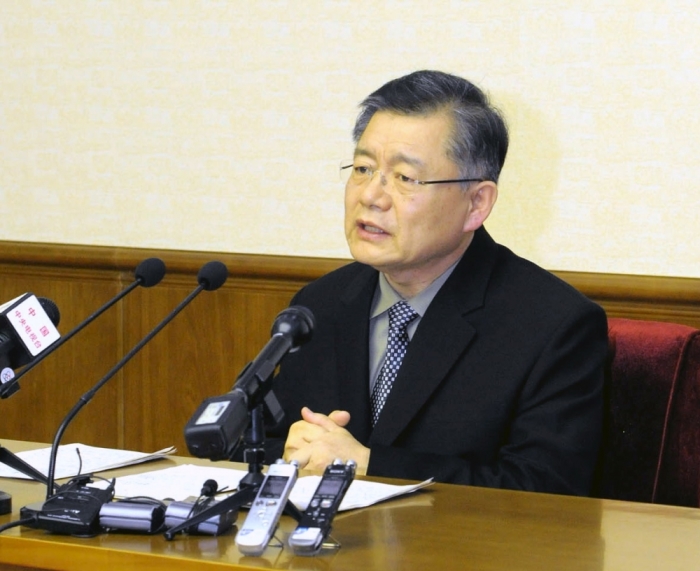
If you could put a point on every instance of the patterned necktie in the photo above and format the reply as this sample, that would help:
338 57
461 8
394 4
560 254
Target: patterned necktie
400 315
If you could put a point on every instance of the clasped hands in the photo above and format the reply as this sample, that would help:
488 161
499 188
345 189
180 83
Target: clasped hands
316 440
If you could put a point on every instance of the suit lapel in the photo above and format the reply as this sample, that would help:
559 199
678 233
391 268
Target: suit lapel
352 341
442 337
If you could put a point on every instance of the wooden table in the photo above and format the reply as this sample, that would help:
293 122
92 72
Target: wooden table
442 527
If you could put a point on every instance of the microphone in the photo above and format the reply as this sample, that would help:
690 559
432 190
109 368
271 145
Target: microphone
67 519
148 273
27 329
209 488
217 425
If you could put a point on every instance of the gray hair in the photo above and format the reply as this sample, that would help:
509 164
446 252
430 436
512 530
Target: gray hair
480 140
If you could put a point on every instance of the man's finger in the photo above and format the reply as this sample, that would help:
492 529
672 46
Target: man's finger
340 417
302 456
326 422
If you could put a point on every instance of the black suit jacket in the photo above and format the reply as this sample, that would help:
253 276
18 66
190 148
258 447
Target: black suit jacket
501 384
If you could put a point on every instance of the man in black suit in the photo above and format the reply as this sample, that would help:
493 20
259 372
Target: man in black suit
501 382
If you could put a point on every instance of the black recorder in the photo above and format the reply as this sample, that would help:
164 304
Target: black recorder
73 510
315 524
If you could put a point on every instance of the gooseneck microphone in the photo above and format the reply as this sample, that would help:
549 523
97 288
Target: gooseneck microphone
215 428
210 277
148 273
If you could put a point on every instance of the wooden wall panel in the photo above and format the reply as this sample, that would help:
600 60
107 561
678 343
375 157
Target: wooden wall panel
200 353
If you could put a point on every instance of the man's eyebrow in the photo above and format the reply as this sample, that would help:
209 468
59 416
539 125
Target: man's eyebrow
407 159
399 158
362 152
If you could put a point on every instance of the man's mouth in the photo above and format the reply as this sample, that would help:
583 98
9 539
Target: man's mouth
371 229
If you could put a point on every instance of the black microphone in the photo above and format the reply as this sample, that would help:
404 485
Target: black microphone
27 331
217 425
65 518
209 488
148 273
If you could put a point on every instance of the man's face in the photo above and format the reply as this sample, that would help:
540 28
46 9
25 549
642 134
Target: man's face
411 237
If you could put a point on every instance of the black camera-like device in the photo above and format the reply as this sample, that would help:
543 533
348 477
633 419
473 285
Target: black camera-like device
73 510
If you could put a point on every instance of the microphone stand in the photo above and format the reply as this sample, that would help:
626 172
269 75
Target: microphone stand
254 452
249 485
15 462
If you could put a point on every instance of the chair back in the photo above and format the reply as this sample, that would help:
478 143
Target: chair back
651 443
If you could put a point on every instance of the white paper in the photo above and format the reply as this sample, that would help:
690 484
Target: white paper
68 463
360 494
180 482
176 483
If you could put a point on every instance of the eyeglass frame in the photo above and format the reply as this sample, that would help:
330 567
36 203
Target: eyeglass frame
410 180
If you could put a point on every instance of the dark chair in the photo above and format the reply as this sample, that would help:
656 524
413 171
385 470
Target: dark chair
651 443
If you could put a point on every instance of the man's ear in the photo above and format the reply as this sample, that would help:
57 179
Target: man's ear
483 196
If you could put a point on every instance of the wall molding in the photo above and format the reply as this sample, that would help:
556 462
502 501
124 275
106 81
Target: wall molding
625 295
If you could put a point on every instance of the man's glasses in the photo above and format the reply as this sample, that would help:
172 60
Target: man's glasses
361 175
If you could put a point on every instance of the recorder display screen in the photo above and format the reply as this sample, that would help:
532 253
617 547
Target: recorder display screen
274 486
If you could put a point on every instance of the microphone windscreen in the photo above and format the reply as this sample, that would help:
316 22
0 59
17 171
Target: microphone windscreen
302 313
150 272
212 275
296 321
51 310
209 488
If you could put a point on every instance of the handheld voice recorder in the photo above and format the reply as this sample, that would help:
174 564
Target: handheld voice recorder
315 524
267 507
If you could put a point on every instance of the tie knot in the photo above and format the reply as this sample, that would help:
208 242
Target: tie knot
400 315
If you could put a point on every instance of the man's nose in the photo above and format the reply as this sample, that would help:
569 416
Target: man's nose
375 192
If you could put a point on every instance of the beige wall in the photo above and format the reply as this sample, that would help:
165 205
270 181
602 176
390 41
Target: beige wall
219 125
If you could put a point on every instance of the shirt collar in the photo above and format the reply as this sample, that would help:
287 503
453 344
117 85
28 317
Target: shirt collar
385 296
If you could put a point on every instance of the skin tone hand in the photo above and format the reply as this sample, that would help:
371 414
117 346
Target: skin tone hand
318 439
